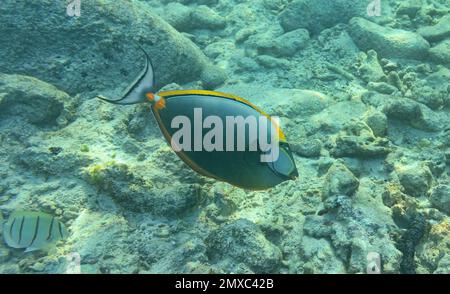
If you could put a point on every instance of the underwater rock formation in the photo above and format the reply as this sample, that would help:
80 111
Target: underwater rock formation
339 180
437 32
370 69
316 15
186 18
242 241
285 45
136 194
96 53
441 52
33 100
357 139
103 243
386 41
416 179
377 122
307 148
318 256
414 113
440 198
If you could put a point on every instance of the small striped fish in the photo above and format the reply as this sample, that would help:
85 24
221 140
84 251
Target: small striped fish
32 230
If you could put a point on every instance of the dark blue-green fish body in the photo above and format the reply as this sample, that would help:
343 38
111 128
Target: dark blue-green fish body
240 168
243 169
33 230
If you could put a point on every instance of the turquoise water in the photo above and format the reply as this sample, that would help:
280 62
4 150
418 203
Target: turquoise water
361 89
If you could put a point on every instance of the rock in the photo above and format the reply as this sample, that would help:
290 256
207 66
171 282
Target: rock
137 194
89 269
377 121
202 2
394 79
247 64
301 103
440 198
241 241
441 52
178 15
334 117
204 17
388 42
370 69
389 65
415 178
339 180
362 252
360 147
407 110
336 40
357 140
4 254
42 161
222 48
275 5
314 226
431 96
340 205
382 87
431 255
287 44
438 82
437 32
316 15
261 40
351 227
163 256
417 114
10 269
286 102
410 8
444 265
102 239
307 148
319 257
272 62
96 52
243 34
33 100
38 267
213 77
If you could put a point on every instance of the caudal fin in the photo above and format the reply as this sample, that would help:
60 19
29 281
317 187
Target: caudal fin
143 84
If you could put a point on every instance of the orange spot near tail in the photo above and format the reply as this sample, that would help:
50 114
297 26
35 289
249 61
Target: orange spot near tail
150 96
160 104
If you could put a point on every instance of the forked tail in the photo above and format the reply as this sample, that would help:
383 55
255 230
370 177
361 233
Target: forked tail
136 92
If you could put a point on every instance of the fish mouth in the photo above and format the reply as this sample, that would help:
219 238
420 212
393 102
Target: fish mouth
294 175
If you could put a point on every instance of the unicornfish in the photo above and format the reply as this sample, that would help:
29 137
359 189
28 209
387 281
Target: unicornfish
218 114
33 230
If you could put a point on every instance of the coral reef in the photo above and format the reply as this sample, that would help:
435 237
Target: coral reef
364 102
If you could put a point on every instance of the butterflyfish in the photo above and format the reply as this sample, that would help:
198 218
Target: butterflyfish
228 121
33 230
